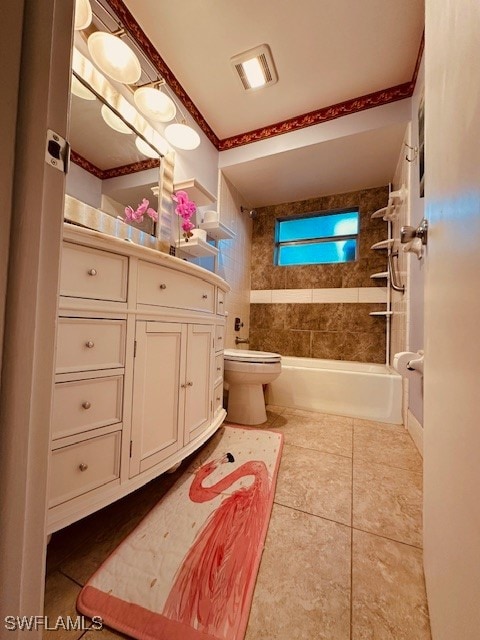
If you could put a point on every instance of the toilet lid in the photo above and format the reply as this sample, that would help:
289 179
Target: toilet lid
240 355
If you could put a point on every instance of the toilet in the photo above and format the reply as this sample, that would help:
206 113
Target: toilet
246 372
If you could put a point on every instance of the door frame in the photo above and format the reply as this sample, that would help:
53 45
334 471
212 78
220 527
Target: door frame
30 299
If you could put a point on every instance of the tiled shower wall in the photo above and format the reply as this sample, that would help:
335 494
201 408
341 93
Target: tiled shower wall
320 311
234 258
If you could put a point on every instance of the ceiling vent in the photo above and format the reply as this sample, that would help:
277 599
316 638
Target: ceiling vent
255 68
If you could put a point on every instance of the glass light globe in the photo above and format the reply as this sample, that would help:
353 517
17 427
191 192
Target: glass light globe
154 104
114 121
83 14
114 57
157 141
182 136
80 90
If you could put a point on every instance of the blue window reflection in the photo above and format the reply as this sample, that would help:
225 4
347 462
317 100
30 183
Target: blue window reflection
312 239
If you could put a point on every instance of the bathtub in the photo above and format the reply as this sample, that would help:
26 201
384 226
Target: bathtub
370 391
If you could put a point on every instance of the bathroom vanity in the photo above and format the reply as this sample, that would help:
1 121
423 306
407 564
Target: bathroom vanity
139 369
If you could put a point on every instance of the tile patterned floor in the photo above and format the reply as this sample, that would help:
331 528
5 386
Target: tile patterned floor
342 558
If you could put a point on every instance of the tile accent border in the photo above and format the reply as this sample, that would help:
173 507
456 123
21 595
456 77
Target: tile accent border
360 295
415 429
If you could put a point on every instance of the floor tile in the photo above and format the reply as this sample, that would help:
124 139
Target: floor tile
388 598
316 482
388 501
60 598
317 431
303 586
385 444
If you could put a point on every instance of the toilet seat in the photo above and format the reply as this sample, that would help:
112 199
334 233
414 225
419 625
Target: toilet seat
240 355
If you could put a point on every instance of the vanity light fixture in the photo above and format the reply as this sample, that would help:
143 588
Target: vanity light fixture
182 136
80 90
255 67
83 15
113 121
114 57
155 104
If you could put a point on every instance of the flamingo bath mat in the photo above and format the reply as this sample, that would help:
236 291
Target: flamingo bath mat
188 570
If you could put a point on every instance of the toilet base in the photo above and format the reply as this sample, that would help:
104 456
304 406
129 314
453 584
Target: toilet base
246 404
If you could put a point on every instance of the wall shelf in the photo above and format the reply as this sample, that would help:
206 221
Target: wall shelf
381 313
383 244
217 230
196 192
197 248
380 275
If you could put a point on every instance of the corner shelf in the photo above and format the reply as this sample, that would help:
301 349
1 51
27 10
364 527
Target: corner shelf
197 248
380 275
381 313
196 192
217 230
383 244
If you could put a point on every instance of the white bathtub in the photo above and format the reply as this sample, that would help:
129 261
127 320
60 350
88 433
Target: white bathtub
370 391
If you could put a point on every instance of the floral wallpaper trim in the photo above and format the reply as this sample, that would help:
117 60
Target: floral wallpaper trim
124 170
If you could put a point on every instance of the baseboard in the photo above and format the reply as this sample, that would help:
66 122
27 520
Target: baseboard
415 429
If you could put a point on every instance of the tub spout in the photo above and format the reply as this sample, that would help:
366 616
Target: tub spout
241 340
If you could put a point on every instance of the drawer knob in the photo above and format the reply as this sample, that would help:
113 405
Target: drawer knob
92 272
220 302
205 296
82 466
218 398
219 368
90 344
183 385
189 384
219 337
86 405
163 286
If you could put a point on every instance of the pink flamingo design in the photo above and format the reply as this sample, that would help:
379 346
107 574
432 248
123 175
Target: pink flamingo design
211 585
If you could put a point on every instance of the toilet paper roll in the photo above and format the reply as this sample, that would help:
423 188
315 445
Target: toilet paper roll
401 360
199 233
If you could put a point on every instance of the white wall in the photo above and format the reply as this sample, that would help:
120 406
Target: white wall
235 258
84 186
452 319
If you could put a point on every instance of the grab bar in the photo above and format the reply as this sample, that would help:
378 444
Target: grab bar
393 278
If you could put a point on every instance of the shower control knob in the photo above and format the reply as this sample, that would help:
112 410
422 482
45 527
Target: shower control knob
82 466
92 272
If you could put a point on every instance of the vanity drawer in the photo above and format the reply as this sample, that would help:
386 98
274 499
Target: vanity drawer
220 302
219 337
218 373
169 288
86 404
86 344
89 273
217 398
83 466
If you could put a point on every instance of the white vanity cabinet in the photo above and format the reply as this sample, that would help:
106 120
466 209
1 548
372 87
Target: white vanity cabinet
139 374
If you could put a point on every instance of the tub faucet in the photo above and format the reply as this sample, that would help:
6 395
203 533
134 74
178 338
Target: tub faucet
241 340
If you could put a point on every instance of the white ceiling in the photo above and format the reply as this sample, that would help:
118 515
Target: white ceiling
345 164
325 52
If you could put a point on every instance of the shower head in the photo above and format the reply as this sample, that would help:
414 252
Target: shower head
252 213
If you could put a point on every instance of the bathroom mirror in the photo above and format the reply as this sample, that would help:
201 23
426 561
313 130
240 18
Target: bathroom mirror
108 170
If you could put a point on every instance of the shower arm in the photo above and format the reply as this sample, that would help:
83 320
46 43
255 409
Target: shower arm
393 277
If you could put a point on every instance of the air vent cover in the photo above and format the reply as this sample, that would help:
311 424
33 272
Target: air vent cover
258 60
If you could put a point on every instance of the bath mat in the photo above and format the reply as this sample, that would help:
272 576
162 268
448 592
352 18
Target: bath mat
188 571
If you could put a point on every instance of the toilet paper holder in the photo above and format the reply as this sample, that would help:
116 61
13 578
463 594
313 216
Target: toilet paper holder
408 361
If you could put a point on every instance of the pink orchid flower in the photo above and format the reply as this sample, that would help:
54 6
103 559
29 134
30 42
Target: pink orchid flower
153 214
187 226
129 214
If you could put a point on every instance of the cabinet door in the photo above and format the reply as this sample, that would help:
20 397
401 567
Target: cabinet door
199 380
159 371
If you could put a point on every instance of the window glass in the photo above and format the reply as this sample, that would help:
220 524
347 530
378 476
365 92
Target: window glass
317 239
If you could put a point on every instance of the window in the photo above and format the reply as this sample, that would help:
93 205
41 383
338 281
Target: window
318 238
